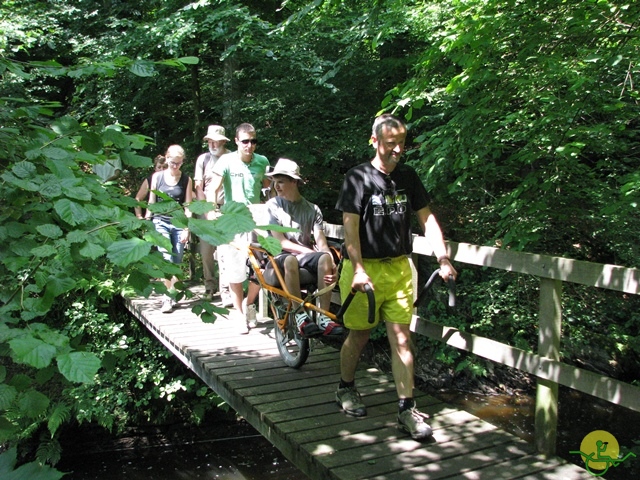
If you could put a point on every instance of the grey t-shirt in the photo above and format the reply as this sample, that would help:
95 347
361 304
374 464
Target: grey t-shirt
302 215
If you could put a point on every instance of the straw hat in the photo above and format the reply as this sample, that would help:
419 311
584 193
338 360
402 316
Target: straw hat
287 167
215 133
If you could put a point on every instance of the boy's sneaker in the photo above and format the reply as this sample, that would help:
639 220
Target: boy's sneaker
412 421
306 327
167 304
250 313
328 326
349 400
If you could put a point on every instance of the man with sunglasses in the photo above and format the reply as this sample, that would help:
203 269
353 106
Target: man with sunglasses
242 175
377 200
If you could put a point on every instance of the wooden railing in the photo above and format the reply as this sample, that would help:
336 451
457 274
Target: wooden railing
546 364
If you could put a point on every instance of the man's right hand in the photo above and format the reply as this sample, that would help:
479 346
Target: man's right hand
360 279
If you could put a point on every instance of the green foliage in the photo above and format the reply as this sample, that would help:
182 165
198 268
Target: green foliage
65 235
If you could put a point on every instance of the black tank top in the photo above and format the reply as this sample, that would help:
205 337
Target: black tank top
177 192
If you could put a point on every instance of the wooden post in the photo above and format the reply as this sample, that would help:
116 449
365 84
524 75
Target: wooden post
550 324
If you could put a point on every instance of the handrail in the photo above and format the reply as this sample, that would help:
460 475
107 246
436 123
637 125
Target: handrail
546 364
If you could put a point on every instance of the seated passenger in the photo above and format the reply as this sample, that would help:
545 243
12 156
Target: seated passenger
290 209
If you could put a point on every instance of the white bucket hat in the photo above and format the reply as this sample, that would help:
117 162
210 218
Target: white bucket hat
287 167
215 133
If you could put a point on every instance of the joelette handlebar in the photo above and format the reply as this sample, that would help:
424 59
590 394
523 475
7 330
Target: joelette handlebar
371 299
423 292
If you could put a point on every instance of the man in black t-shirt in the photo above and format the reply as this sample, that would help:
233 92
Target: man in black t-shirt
377 200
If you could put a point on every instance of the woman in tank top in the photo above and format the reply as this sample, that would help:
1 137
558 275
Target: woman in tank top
178 186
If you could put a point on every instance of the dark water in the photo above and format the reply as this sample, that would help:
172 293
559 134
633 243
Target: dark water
222 449
579 415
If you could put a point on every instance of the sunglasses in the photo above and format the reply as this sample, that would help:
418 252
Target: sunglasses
252 141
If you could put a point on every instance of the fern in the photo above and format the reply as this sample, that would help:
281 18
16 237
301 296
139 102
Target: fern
58 415
49 451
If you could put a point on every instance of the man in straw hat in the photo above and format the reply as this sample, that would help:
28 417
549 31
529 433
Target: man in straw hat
301 257
203 179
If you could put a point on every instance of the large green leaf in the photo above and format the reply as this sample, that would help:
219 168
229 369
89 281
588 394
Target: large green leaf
24 169
211 232
143 68
32 351
71 212
200 207
65 125
91 142
114 136
131 159
92 250
33 403
31 471
7 395
124 252
49 230
79 366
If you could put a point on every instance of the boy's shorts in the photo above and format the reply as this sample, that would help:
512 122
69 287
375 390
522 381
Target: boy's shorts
393 292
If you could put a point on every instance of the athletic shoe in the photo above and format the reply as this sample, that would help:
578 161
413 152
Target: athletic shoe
240 320
306 327
328 326
250 314
226 300
349 400
412 421
167 305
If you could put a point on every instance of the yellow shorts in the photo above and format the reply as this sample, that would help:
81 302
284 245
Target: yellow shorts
393 291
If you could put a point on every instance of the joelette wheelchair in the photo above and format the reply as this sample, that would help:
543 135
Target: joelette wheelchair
292 345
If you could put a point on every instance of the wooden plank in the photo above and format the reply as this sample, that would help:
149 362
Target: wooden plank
549 334
296 410
600 386
531 466
612 277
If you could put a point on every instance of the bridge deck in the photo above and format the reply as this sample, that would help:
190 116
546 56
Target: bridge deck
296 410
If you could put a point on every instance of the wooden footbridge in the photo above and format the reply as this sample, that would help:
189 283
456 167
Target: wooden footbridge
296 411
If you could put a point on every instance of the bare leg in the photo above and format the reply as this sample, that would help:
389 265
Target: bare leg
324 268
401 358
254 288
237 294
292 275
350 353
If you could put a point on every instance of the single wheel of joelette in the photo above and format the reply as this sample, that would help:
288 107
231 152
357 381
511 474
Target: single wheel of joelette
293 348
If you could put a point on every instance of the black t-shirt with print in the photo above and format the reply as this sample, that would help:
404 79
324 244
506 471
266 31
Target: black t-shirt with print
385 204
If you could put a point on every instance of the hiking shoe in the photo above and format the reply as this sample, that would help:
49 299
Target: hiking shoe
250 314
207 295
328 326
306 327
349 400
412 421
167 305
